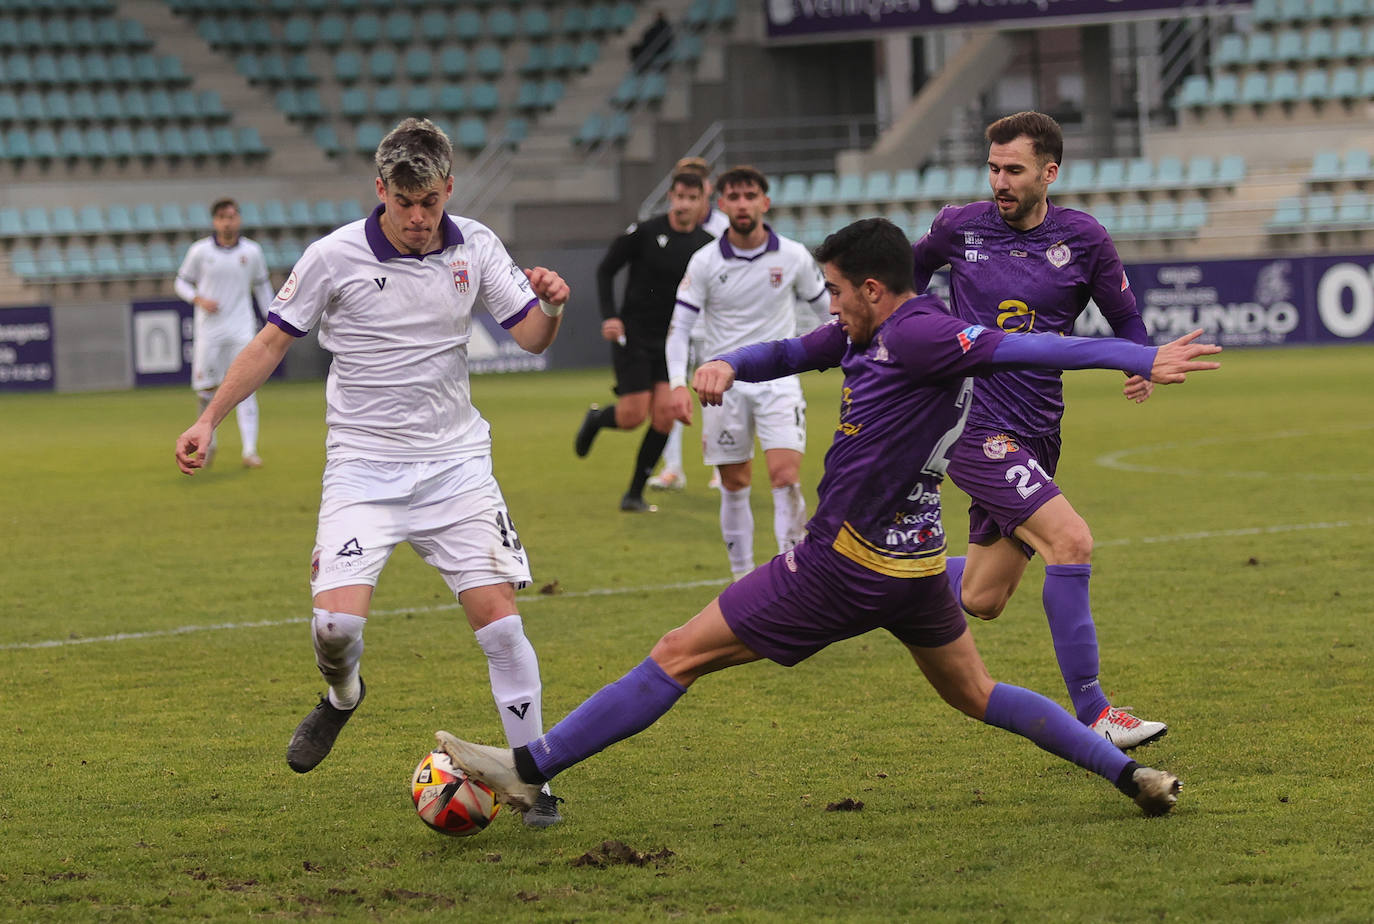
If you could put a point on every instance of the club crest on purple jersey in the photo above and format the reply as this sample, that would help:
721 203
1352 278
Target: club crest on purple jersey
996 447
1059 255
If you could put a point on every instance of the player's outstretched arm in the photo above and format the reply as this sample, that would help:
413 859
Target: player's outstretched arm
245 374
1176 359
713 380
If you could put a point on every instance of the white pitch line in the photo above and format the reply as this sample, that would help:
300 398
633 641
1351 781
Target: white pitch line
654 588
1117 459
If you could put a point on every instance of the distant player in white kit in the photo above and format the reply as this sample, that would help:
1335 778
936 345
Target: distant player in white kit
745 288
221 275
408 457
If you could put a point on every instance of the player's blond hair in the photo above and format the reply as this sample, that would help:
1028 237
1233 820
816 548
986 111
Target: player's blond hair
415 155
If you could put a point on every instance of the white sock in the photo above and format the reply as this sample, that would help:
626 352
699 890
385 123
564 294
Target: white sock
737 529
672 450
789 516
514 671
338 648
248 424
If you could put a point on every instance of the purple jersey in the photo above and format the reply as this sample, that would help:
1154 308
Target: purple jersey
903 404
1036 281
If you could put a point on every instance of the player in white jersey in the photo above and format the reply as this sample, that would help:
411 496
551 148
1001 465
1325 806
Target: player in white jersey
220 276
408 458
745 288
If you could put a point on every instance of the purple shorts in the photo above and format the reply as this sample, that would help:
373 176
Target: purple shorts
1007 478
802 601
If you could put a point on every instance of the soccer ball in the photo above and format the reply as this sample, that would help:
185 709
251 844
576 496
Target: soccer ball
449 802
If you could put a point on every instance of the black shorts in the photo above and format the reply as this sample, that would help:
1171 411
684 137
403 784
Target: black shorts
639 364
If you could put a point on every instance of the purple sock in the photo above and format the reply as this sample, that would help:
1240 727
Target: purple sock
954 573
1045 722
615 712
1075 637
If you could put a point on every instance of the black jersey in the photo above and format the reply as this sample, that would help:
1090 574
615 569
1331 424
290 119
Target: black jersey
658 257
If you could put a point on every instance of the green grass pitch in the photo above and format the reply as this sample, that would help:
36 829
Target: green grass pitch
155 657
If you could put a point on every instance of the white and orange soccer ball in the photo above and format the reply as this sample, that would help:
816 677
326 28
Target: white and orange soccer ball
449 802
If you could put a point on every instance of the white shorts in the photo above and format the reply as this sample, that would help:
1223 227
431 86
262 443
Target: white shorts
210 359
775 411
451 512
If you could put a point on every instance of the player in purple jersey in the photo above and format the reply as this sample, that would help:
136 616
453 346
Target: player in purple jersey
874 553
1021 264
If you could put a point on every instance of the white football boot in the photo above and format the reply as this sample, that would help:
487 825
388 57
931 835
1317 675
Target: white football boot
1125 730
494 767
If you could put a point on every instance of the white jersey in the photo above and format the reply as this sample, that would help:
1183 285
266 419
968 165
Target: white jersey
230 276
398 326
743 300
716 223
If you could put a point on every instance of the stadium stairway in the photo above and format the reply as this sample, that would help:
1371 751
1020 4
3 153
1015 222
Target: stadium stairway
292 153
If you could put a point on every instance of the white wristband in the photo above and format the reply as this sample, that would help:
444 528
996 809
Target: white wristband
552 311
677 382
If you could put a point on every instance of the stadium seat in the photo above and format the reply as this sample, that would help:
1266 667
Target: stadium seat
381 65
1352 211
1255 90
877 187
1140 174
367 136
250 143
792 191
348 67
1225 91
467 25
1356 166
966 183
78 263
906 185
1321 210
11 223
1345 84
1288 48
170 218
63 221
1192 215
535 23
452 99
133 259
418 64
146 219
1283 88
1169 173
471 134
1326 167
198 142
1230 52
1201 171
1315 87
935 183
106 260
91 220
502 24
1163 218
1077 176
161 260
386 102
489 61
592 131
484 98
24 263
325 214
97 144
326 137
453 62
1111 174
824 187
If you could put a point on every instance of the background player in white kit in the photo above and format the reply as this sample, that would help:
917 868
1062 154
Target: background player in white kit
220 276
745 288
408 457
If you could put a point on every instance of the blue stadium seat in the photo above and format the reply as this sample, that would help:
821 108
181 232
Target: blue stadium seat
250 143
1202 171
63 221
327 138
1163 218
171 218
484 98
1326 167
199 143
133 259
1255 90
1111 174
877 187
1345 84
906 185
106 260
91 220
161 260
419 99
1230 53
794 190
1231 169
367 136
592 131
24 263
386 102
77 262
353 103
1192 215
223 143
535 23
381 65
467 25
98 144
935 183
1077 176
1288 47
1318 47
824 187
1315 87
1352 211
365 29
11 223
1132 219
1356 166
502 24
325 214
146 219
17 145
966 183
1169 173
1225 90
1321 209
1283 87
452 99
418 64
489 61
472 134
122 144
453 62
434 25
850 189
348 67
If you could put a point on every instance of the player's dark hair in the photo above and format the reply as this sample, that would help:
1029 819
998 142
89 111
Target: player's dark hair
743 175
871 248
690 180
415 155
1047 138
222 204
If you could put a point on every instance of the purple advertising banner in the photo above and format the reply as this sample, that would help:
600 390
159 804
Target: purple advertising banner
814 18
1293 300
26 349
163 333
